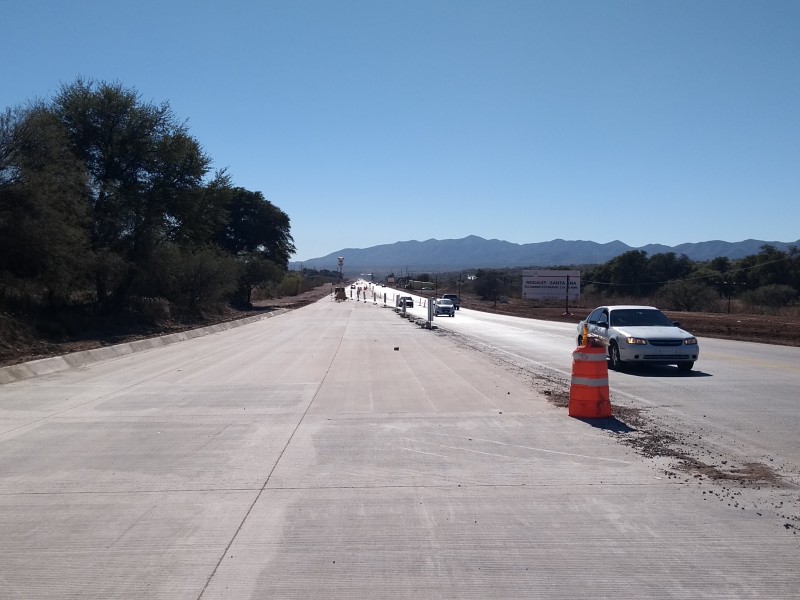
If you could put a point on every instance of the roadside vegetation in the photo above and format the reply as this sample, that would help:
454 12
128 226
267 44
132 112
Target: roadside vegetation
756 298
766 283
112 225
110 220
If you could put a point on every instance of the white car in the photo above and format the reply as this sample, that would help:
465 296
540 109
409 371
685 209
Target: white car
404 301
443 306
640 334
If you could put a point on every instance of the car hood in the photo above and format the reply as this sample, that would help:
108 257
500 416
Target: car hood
657 332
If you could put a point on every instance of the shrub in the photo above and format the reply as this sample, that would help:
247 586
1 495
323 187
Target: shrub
688 296
194 279
290 285
772 297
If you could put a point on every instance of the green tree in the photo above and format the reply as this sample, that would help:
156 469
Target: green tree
772 267
691 295
256 226
192 278
254 231
43 217
772 296
290 285
628 272
667 266
257 273
721 264
488 284
144 170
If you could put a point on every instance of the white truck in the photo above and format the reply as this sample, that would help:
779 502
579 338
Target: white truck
454 299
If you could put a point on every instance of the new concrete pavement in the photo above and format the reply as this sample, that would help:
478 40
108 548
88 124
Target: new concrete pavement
340 451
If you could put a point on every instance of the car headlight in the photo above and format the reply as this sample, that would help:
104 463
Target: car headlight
633 341
690 341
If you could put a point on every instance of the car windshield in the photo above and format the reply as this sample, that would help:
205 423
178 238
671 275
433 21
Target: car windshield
636 317
445 302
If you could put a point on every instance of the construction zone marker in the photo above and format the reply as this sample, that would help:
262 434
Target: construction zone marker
588 391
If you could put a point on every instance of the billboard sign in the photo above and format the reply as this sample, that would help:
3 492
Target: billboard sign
551 285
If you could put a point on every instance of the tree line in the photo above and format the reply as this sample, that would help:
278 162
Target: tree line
769 280
107 203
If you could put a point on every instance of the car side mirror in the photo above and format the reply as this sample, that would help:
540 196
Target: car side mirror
676 323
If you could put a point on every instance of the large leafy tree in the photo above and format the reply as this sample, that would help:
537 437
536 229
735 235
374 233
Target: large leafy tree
101 192
44 246
488 283
257 233
773 267
668 266
143 170
256 226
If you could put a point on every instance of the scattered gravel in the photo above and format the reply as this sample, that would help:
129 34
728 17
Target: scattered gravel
676 451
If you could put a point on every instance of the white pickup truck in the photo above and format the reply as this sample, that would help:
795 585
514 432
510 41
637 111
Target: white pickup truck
454 299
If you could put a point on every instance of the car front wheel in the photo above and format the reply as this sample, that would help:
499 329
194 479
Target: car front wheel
613 354
685 367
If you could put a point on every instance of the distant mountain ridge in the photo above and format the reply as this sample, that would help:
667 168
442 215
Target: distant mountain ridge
473 252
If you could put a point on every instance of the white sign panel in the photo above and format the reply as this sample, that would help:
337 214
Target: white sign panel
551 285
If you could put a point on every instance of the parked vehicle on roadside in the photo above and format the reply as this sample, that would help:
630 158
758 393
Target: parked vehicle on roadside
402 301
454 299
640 335
444 306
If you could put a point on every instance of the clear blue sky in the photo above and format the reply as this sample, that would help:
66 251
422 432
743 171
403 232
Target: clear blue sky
376 121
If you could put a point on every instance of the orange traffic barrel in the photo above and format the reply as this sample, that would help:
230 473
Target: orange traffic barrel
588 391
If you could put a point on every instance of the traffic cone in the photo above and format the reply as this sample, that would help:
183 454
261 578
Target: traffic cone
588 391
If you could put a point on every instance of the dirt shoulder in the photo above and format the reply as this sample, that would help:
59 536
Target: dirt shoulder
18 344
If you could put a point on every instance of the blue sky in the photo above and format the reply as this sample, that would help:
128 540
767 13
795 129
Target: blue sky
371 122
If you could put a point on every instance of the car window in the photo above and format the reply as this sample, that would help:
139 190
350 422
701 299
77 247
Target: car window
595 315
640 318
602 319
620 318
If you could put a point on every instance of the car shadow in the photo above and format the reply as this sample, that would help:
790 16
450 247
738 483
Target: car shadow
660 371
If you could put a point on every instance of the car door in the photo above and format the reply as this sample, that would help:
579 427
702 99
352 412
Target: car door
591 321
603 326
598 324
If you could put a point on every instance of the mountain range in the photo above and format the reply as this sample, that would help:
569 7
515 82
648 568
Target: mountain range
473 252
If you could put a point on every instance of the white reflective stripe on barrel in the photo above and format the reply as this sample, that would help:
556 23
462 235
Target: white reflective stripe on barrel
590 382
589 357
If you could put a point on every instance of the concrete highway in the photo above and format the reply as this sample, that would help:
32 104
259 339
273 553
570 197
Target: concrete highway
742 399
341 451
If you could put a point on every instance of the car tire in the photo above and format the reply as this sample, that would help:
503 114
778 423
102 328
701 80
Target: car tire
685 367
580 340
613 355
